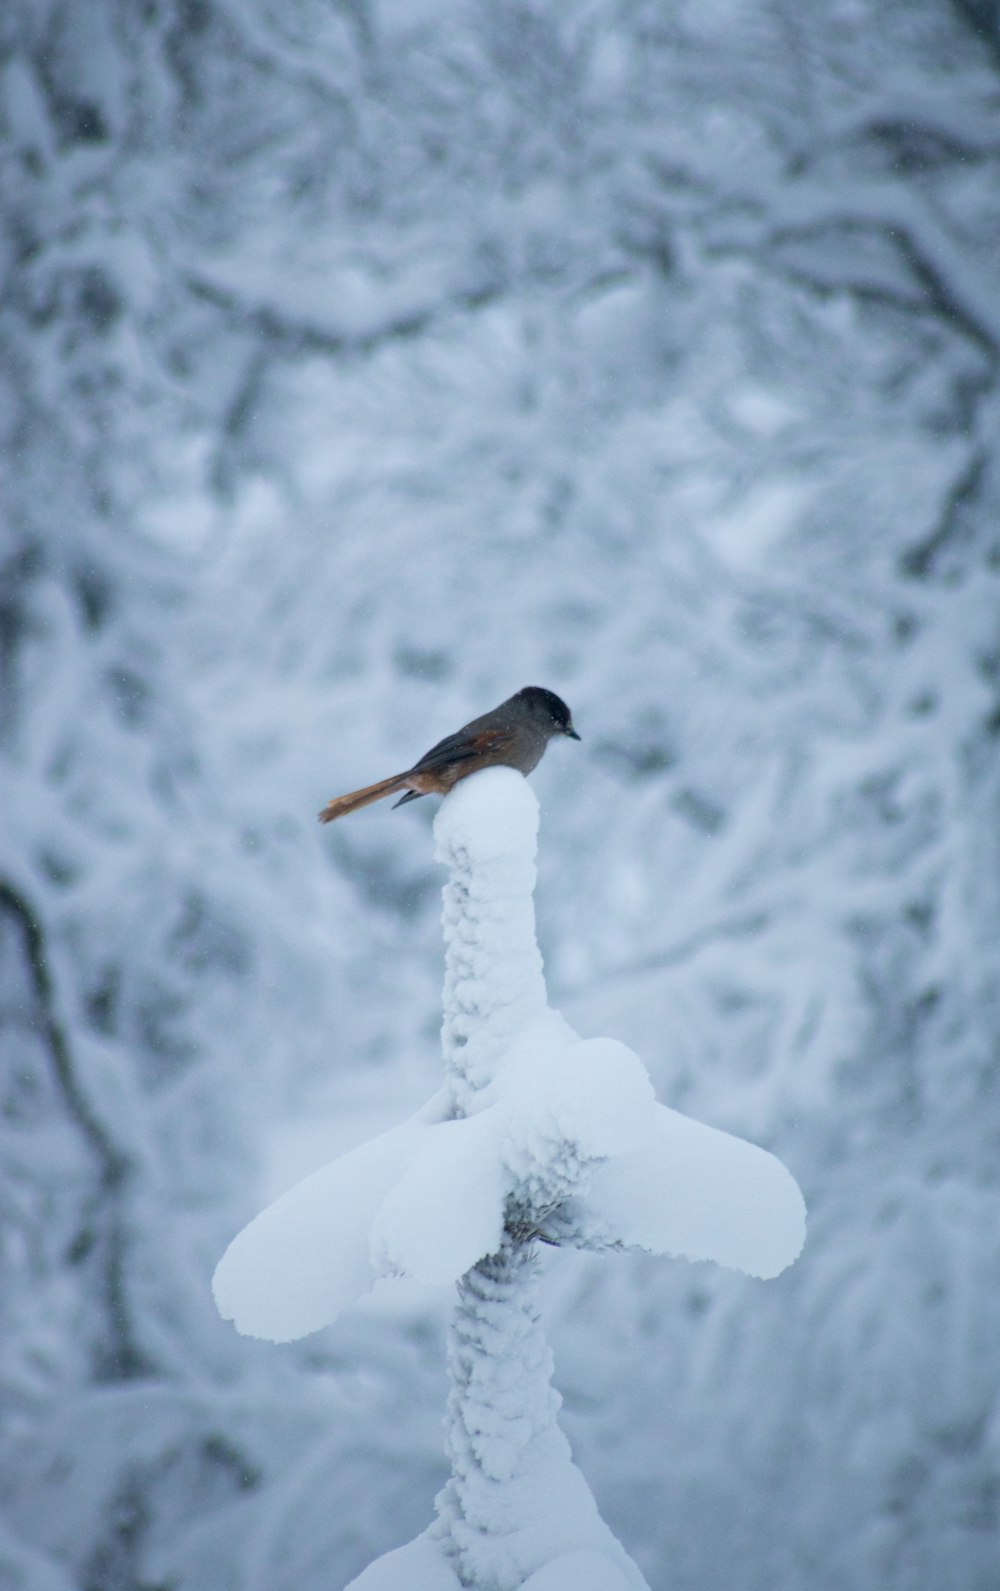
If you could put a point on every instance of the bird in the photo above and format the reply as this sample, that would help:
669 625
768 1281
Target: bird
513 735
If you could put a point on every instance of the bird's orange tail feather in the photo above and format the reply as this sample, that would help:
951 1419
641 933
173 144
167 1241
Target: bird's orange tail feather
341 805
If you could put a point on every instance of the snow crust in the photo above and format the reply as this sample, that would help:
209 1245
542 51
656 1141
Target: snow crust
556 1126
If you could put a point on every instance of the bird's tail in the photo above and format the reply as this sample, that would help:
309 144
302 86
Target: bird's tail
341 805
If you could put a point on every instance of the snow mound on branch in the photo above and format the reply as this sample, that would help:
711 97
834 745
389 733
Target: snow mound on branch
419 1566
562 1504
556 1087
695 1192
490 816
446 1211
567 1121
579 1571
306 1257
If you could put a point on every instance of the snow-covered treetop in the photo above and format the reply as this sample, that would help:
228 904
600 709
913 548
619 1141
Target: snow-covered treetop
536 1130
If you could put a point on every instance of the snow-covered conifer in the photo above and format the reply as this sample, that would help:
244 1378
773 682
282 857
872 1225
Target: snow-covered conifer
538 1136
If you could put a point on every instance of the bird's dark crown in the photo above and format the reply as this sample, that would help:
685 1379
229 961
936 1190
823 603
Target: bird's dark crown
547 702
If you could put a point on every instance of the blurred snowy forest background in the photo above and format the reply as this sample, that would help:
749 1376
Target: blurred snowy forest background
359 364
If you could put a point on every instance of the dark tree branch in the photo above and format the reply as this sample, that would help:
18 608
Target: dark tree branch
122 1359
918 563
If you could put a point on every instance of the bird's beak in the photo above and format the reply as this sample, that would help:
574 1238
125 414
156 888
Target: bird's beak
571 733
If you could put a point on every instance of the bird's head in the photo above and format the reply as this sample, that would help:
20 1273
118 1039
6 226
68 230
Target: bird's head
549 710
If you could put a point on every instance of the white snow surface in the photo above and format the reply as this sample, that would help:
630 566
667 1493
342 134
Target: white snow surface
579 1571
491 817
560 1119
419 1566
299 1263
692 1190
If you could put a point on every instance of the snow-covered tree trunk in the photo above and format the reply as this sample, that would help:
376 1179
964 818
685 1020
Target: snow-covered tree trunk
493 983
515 1500
503 1439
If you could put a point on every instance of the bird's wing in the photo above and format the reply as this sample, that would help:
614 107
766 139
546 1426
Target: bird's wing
464 746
